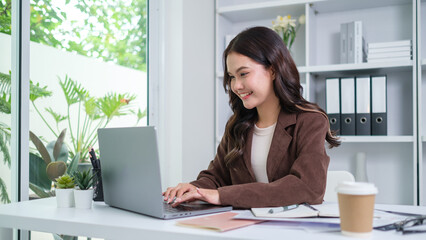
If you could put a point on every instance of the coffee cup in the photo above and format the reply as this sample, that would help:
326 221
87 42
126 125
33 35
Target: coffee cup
356 208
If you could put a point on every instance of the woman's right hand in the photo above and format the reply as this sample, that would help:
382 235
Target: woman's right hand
177 191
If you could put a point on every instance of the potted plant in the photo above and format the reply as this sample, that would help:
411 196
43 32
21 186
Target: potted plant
83 194
64 191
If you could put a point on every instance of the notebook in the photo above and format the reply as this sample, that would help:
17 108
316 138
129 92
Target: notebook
302 211
130 170
219 222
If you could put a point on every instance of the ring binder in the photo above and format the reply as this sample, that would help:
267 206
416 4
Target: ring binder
379 105
332 91
347 93
363 106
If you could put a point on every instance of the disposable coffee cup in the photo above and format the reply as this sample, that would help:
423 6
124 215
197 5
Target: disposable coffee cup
356 207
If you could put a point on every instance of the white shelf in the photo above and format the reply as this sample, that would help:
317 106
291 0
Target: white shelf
264 10
270 9
345 5
376 139
397 66
336 68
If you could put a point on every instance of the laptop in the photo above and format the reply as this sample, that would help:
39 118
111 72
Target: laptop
131 175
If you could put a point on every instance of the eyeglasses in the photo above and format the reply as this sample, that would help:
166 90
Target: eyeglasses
404 226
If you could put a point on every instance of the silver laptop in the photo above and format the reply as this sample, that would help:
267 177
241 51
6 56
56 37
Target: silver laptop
131 175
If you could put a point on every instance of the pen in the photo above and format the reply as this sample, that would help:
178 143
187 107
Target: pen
282 209
93 158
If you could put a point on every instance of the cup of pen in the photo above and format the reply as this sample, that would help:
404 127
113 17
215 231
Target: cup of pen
356 208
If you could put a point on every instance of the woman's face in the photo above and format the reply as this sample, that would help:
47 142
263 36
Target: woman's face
250 81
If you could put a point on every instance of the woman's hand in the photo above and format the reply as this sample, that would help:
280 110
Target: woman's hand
177 191
207 195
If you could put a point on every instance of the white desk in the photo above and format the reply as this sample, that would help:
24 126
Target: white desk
103 221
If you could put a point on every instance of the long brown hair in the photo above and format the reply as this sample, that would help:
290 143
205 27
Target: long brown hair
266 47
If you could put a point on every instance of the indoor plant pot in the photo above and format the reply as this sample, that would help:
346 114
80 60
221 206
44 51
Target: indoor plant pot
83 198
64 191
83 195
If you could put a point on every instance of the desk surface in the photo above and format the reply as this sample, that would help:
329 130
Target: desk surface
103 221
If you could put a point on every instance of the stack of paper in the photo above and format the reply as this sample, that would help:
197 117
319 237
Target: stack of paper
390 51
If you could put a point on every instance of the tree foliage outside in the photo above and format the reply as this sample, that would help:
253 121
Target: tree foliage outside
112 30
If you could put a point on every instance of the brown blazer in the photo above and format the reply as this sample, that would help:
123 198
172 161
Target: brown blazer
296 166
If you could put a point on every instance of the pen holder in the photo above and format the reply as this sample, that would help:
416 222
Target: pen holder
98 193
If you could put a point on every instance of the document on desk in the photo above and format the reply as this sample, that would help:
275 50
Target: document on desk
302 211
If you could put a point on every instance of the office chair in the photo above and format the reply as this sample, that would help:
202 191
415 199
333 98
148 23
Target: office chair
333 179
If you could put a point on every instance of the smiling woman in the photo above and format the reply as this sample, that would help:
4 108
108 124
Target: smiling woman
272 152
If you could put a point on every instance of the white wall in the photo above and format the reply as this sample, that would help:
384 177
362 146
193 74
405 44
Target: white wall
185 77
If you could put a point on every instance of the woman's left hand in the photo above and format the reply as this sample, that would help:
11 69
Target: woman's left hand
207 195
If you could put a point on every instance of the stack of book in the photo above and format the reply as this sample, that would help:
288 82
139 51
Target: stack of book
352 43
390 51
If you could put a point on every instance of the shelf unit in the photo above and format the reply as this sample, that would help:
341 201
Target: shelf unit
393 160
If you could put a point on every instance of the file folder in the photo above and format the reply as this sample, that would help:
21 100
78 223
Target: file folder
379 121
332 92
363 106
347 99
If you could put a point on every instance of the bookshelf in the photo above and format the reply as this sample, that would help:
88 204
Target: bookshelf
392 161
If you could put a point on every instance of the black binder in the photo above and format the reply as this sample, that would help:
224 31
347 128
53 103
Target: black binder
332 92
347 105
363 105
379 122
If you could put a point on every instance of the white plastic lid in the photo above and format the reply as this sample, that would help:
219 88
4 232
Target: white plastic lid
356 188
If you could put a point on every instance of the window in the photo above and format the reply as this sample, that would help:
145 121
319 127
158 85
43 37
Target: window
88 69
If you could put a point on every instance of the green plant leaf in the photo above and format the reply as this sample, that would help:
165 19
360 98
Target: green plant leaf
65 181
140 115
41 148
5 83
73 92
38 175
36 91
38 191
56 116
58 144
4 197
72 167
5 104
84 179
91 108
55 170
63 154
4 140
113 104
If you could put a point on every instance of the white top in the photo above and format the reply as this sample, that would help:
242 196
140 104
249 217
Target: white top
262 138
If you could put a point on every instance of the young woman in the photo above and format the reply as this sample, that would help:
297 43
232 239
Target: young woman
273 150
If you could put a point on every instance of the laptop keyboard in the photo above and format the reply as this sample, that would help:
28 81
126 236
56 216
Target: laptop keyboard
187 207
170 209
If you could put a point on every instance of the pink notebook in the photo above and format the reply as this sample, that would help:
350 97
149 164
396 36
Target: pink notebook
219 222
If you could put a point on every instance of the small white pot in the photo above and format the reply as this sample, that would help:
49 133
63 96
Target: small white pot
64 197
83 198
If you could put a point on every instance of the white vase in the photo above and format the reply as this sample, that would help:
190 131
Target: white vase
361 167
83 198
64 197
